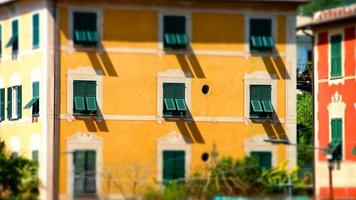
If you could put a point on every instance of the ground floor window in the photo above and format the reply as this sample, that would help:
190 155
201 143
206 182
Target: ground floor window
84 162
173 165
264 158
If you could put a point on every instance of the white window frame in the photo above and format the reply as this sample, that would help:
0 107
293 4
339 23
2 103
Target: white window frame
171 142
247 33
336 109
84 141
341 79
173 76
99 27
83 74
257 143
14 107
188 29
259 78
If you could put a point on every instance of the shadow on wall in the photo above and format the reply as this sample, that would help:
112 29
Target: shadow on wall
102 63
189 129
275 129
276 65
189 63
95 124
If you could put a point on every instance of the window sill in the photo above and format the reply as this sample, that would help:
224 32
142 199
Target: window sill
174 117
336 78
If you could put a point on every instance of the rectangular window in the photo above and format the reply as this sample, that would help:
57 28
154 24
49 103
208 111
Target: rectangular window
35 31
336 56
336 138
261 35
35 155
14 40
174 100
14 102
260 101
84 162
174 32
173 165
84 97
34 102
2 104
85 31
264 158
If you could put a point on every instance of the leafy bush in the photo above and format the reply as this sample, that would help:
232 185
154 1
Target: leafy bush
18 177
242 177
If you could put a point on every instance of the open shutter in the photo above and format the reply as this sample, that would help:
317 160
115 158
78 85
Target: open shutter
15 35
35 30
19 101
9 103
90 97
2 104
180 97
78 94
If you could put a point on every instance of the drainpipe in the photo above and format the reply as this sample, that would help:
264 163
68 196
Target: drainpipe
56 76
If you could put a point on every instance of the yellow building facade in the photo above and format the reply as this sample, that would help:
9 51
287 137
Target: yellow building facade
142 83
153 90
25 106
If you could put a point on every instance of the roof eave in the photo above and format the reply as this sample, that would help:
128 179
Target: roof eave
312 25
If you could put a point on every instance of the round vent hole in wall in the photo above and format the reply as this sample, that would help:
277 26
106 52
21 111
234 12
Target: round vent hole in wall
205 89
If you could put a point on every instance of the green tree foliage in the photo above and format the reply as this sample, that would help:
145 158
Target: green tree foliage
240 177
18 177
317 5
305 138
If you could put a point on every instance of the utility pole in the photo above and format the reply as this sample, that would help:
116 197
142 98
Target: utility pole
329 156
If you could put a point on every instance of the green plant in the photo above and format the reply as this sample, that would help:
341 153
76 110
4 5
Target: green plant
18 177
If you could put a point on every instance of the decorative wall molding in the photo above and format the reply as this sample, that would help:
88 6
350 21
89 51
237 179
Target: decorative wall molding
173 141
84 141
257 143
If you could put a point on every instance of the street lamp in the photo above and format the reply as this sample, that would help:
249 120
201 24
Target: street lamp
329 156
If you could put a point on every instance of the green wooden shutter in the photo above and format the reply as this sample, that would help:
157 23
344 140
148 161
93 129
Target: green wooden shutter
336 56
336 138
9 103
168 165
85 28
79 171
78 96
264 158
35 155
174 32
90 172
35 30
36 89
19 101
261 34
179 91
179 164
90 95
15 35
2 104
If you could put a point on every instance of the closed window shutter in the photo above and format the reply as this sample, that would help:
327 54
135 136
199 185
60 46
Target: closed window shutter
79 170
19 101
35 30
336 55
179 164
9 103
336 138
168 165
2 104
90 172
